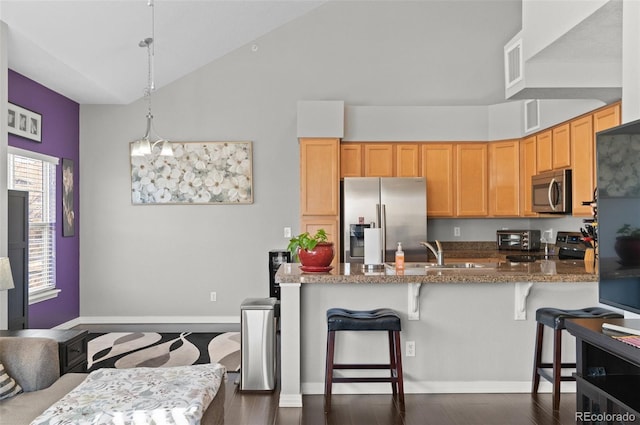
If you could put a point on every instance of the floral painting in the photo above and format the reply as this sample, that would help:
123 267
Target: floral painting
197 173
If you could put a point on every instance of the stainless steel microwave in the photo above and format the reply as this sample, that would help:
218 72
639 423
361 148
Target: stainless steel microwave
551 192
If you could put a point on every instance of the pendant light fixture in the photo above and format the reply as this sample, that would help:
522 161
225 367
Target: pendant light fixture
145 145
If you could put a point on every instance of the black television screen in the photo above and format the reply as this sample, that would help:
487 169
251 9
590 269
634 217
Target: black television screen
618 218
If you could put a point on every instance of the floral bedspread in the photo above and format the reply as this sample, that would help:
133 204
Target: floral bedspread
172 395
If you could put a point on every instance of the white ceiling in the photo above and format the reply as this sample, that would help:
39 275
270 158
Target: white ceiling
88 49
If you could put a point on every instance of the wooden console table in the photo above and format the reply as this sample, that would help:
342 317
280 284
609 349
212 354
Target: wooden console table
607 373
72 346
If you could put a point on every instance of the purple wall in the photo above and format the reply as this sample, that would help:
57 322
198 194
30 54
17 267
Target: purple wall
60 138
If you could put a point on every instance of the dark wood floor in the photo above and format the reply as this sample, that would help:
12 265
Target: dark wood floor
243 408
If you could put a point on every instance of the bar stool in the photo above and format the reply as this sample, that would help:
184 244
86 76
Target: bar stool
554 318
382 319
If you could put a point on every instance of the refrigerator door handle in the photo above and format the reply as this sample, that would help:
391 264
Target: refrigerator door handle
383 225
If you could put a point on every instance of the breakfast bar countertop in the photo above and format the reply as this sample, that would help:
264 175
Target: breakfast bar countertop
500 271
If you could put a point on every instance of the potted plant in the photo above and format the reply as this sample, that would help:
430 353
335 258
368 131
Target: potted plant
313 251
628 245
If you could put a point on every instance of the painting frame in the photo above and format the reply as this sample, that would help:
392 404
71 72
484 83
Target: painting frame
24 122
68 193
199 173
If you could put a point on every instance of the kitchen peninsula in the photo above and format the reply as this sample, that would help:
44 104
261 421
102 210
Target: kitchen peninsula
473 328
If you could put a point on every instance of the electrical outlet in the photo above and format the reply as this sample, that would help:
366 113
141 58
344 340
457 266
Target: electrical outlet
287 232
213 296
456 231
411 349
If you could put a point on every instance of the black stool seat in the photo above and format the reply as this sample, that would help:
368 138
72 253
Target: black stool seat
554 317
381 319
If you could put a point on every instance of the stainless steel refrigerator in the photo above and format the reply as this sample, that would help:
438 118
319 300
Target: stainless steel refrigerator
397 205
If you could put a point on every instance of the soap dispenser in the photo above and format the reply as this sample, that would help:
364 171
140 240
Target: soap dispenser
399 257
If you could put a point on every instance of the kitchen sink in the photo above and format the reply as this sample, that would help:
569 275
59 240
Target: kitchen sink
422 268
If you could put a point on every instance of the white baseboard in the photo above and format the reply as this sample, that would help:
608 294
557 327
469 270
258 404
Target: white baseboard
290 400
438 387
140 320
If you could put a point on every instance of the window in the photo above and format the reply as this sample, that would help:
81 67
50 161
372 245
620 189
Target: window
36 173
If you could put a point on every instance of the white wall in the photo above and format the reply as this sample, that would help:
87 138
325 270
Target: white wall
142 262
149 263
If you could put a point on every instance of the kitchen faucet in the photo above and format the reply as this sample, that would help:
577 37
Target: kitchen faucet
437 252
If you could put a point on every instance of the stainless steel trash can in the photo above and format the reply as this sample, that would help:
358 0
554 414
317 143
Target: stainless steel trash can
258 344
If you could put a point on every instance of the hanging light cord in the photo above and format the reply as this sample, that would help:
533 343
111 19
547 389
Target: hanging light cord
145 145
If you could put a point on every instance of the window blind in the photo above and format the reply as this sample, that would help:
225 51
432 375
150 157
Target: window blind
38 177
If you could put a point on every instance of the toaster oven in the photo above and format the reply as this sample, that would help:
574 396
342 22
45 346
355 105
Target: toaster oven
518 240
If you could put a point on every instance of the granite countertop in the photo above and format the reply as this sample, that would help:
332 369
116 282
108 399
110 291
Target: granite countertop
501 272
497 269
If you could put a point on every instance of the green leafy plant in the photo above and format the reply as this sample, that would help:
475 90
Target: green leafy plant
628 231
305 241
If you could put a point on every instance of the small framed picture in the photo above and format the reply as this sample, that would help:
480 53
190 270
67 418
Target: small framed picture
25 123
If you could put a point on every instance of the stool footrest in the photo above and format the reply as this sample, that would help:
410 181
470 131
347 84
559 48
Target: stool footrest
562 366
362 366
366 379
549 377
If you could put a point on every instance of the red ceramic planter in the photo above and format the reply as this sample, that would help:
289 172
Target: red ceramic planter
320 256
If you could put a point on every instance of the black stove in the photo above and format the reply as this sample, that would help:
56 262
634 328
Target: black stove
570 245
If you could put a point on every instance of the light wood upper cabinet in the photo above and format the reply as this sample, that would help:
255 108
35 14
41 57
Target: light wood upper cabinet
378 160
504 181
438 170
407 160
350 160
544 151
528 169
606 118
320 177
583 160
471 180
561 155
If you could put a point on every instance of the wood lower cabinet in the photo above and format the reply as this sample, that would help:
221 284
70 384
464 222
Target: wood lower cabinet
378 160
504 181
471 180
528 169
438 160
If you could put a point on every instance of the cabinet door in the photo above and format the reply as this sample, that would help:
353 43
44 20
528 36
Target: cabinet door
437 168
407 160
350 160
544 151
504 184
527 170
606 118
583 160
471 180
561 146
330 225
378 160
319 177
